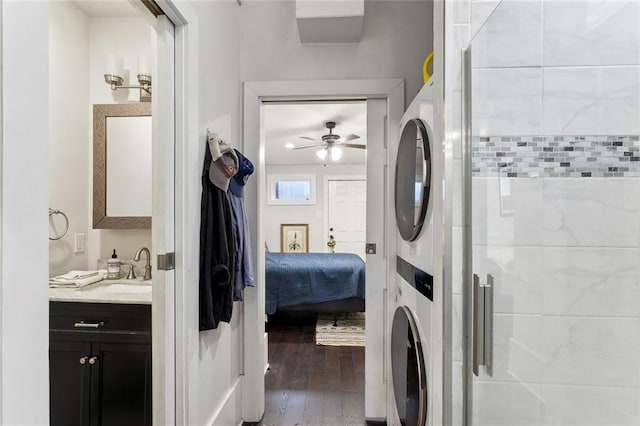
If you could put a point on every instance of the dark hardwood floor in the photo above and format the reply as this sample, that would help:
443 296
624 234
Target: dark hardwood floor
308 384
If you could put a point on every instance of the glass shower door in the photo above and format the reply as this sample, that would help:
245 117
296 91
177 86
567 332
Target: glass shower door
553 126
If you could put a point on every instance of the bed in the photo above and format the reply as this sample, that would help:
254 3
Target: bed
314 282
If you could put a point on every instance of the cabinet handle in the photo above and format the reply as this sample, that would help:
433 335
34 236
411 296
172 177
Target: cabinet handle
83 360
83 324
93 360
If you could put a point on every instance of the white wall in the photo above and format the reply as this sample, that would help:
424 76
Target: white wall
221 351
24 369
212 360
69 132
275 215
396 38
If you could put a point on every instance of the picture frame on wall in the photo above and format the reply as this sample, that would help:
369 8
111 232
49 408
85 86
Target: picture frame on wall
294 238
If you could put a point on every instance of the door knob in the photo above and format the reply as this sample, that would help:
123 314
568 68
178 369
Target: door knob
93 360
83 360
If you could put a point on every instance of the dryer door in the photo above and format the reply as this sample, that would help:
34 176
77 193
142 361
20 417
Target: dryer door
412 178
408 369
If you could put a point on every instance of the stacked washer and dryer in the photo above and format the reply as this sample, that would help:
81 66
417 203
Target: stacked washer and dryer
416 329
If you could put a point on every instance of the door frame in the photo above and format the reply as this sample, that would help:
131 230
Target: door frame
254 94
163 230
169 373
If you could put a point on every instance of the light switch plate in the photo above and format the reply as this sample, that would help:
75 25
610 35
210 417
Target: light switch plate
80 242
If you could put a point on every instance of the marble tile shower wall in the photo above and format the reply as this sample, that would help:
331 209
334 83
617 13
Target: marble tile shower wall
556 126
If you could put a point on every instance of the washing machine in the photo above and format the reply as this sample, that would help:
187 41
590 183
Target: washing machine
416 327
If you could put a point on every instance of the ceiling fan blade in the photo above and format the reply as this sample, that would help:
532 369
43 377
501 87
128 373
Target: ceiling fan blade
308 146
348 138
308 138
354 145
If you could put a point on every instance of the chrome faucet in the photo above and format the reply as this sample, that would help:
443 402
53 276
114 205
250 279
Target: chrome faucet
147 268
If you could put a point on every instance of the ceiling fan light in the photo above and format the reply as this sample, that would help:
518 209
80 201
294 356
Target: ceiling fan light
289 145
322 154
336 153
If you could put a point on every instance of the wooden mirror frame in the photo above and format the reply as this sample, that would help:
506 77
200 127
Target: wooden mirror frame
100 114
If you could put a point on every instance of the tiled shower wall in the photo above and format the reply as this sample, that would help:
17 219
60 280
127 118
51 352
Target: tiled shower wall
556 183
556 156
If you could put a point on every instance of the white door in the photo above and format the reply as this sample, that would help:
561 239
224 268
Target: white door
163 225
348 215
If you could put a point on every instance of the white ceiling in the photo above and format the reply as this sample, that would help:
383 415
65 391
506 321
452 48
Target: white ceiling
286 122
107 8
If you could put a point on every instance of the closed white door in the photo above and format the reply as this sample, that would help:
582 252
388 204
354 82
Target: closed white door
348 215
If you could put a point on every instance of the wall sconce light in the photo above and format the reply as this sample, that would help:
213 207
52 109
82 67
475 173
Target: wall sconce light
114 71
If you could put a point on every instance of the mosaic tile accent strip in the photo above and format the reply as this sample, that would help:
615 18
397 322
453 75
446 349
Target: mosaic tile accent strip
556 156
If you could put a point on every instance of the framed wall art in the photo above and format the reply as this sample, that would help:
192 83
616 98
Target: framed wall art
294 238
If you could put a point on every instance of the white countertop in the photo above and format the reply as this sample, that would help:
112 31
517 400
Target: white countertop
106 291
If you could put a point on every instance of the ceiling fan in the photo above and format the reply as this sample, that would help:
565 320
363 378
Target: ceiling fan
331 143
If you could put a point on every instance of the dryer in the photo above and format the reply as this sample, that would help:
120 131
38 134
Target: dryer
416 329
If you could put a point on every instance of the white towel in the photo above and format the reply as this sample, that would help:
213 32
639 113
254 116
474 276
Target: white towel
76 279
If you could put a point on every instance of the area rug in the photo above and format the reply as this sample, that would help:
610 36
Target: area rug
349 332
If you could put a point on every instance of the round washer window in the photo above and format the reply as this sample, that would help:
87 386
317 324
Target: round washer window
408 369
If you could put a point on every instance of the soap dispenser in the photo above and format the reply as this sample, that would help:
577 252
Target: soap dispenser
113 267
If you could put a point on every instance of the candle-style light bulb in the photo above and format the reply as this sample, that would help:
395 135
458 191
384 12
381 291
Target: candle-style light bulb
144 65
113 65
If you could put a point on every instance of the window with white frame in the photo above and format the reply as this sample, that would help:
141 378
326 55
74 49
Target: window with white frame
292 189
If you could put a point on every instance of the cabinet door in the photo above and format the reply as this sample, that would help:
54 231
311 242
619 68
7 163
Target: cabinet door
69 377
121 384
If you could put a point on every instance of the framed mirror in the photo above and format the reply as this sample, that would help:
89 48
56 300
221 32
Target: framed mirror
122 166
412 179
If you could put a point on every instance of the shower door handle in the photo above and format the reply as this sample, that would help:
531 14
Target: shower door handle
478 325
482 325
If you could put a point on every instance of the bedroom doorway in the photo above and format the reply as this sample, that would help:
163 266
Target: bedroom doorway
316 167
384 106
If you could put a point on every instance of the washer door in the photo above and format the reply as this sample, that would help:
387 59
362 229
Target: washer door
408 369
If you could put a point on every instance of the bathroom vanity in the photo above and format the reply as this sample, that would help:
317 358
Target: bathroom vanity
100 354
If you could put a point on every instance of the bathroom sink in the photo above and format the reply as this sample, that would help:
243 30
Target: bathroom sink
134 287
106 291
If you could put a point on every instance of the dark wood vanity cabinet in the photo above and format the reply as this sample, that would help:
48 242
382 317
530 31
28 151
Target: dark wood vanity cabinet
100 364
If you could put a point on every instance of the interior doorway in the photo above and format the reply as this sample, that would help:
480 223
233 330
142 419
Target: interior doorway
111 361
315 303
384 100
